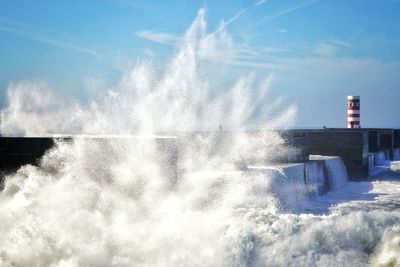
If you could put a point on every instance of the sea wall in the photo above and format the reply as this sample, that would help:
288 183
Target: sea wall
316 177
396 154
381 162
294 182
18 151
335 170
353 146
286 183
381 158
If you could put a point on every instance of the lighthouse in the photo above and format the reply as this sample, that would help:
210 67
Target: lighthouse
353 111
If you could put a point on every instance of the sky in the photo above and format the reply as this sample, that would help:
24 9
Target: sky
318 51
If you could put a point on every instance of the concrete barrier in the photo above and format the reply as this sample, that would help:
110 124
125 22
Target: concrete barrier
287 183
383 163
371 163
335 170
316 178
396 154
294 182
381 158
18 151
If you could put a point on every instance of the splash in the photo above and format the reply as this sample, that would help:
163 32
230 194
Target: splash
116 199
180 98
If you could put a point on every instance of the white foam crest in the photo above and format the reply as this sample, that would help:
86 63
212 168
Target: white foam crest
176 99
34 109
93 203
122 201
86 213
388 250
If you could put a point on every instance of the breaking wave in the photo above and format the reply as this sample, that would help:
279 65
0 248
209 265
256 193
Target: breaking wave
155 175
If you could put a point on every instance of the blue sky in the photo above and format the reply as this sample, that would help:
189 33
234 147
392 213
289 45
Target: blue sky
318 50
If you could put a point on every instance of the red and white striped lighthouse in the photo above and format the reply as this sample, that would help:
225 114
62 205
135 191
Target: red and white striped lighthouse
353 111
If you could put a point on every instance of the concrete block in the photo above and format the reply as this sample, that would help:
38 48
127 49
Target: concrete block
287 183
335 169
316 178
381 158
396 154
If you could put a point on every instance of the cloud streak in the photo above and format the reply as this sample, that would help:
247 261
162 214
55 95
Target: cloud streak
284 12
240 13
327 50
44 35
282 30
171 39
158 37
235 17
260 2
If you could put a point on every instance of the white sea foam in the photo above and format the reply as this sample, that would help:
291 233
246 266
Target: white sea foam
117 202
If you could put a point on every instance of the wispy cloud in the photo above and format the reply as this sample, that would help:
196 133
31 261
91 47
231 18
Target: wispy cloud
327 50
241 12
158 37
282 31
257 57
335 66
234 17
285 12
270 49
258 51
171 39
260 2
341 43
224 24
44 35
258 64
331 47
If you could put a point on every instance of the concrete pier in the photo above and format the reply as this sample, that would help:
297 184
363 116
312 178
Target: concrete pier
18 151
354 146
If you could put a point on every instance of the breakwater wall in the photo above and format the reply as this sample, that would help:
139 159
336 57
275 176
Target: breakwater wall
360 149
292 183
354 146
18 151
